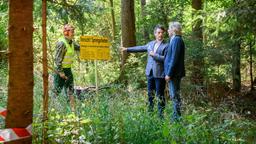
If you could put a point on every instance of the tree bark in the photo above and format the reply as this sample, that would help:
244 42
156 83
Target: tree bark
128 29
197 33
128 23
236 74
20 88
45 72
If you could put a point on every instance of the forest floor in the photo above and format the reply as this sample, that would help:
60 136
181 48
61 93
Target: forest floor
246 102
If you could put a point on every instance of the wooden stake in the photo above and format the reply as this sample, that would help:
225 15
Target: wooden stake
96 76
45 73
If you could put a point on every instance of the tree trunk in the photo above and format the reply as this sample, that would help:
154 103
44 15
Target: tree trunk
198 61
236 74
113 19
250 63
128 23
236 56
45 72
143 17
20 90
128 29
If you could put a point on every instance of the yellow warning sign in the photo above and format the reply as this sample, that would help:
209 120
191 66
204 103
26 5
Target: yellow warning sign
94 48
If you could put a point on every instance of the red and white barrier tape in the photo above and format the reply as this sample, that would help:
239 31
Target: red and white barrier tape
12 134
3 112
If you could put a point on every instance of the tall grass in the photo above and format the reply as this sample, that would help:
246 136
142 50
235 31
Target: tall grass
117 115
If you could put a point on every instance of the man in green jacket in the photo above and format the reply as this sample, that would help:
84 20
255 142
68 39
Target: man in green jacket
65 54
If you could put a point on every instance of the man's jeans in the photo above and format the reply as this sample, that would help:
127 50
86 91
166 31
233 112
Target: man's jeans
174 89
158 85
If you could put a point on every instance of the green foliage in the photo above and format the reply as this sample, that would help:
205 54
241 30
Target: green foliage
3 24
65 128
135 70
158 12
224 24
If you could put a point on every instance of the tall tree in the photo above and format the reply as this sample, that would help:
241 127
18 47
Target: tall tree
236 49
198 60
127 28
128 23
20 90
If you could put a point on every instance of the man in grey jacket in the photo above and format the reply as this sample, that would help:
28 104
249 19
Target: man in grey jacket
155 67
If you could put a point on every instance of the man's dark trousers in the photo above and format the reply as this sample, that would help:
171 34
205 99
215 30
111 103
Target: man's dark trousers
174 89
156 85
68 84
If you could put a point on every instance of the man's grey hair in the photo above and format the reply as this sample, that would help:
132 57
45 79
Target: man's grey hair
176 26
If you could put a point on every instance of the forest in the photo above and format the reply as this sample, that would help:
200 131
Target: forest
110 99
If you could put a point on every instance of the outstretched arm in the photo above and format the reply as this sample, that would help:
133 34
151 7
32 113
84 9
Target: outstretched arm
135 49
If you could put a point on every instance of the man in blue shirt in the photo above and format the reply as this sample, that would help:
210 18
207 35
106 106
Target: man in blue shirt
174 66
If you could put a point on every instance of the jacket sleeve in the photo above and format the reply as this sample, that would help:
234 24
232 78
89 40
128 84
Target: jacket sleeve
59 56
77 50
134 49
176 49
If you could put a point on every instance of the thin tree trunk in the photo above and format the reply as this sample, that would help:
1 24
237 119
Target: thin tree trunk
143 17
113 19
45 72
250 63
236 74
20 88
128 29
198 62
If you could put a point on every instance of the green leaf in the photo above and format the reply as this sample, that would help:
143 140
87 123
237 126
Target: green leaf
85 121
